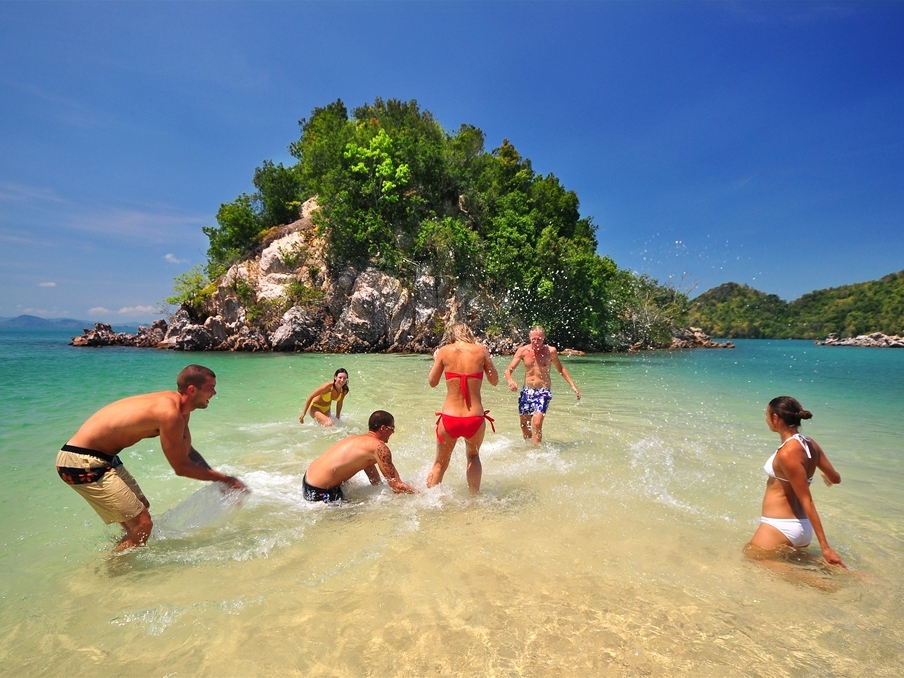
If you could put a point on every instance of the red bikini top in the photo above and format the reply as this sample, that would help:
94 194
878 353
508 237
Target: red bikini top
463 380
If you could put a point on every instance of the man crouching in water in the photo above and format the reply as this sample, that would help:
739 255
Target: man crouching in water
363 452
89 462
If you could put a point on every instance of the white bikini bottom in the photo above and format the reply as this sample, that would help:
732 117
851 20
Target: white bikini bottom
798 532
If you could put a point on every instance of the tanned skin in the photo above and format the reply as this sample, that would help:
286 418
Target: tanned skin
337 395
538 357
165 414
792 498
463 358
365 452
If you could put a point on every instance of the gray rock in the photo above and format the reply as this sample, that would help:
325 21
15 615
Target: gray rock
195 338
297 331
218 330
874 340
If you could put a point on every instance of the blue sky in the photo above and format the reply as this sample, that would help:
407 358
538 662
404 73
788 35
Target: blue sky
753 142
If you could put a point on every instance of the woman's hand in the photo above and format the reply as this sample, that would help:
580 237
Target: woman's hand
832 558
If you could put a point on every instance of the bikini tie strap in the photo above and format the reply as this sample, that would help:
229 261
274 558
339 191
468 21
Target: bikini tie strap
463 382
439 417
486 415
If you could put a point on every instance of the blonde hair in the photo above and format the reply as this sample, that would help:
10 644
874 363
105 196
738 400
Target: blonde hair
459 332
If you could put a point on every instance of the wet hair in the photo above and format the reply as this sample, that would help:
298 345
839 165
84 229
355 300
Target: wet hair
789 410
458 332
344 371
193 375
378 419
537 328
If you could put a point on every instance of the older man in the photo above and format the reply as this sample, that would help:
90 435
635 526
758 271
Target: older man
533 402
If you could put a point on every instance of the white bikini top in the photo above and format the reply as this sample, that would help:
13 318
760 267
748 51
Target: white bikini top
768 467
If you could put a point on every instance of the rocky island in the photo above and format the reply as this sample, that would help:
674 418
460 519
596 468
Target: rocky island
387 229
874 340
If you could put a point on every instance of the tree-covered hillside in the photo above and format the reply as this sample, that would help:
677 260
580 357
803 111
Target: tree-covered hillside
399 192
738 311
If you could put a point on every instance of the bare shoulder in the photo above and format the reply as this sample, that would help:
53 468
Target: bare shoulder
382 451
158 403
791 450
816 446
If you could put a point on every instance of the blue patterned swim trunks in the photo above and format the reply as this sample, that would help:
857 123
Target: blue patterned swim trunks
534 400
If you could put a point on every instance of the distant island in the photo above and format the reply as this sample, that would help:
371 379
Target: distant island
734 311
33 322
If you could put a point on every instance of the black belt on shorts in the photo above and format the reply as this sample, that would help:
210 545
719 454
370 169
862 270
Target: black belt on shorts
82 476
109 458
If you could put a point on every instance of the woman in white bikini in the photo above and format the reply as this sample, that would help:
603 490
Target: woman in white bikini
789 517
319 402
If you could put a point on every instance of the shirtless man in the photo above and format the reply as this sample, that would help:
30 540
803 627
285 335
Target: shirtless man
363 452
536 394
89 461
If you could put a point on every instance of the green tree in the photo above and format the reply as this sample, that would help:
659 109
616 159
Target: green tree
398 192
238 227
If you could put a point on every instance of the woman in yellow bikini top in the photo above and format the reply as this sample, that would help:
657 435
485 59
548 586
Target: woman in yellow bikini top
319 402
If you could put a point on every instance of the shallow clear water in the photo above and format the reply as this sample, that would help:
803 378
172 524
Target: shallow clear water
612 549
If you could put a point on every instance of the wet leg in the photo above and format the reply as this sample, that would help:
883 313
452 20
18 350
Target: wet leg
138 529
525 426
443 455
536 425
475 468
322 419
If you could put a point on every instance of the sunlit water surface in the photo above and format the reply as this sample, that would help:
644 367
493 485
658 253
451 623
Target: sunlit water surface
612 549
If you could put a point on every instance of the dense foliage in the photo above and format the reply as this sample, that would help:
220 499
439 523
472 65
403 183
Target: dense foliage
399 192
737 311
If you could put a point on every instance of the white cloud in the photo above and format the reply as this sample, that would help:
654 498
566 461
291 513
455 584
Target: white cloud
137 310
171 258
19 192
97 310
47 284
154 226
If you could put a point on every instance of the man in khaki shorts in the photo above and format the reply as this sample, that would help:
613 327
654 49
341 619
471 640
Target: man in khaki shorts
89 461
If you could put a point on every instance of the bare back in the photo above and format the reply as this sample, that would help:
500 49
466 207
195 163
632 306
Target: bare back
347 457
783 499
463 358
123 423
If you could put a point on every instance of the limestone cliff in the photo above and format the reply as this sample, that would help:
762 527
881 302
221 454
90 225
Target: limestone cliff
284 298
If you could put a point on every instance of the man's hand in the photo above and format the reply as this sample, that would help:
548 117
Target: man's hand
235 484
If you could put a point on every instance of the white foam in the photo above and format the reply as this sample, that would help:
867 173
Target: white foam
211 506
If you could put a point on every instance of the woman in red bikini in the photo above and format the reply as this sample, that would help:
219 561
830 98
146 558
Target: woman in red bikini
462 362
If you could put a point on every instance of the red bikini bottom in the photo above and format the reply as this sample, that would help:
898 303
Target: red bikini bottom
462 427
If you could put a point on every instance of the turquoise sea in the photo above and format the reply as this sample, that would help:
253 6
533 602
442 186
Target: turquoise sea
613 549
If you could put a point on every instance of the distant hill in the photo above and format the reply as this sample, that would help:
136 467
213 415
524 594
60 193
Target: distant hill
33 322
738 311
